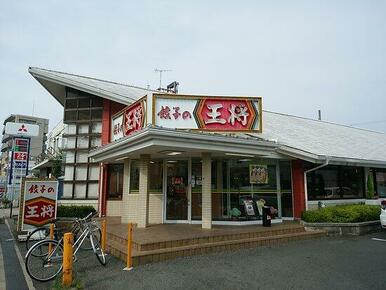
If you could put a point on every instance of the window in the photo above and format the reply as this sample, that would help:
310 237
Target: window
335 182
380 182
69 115
71 104
134 176
155 175
96 102
96 114
115 181
84 115
286 188
84 103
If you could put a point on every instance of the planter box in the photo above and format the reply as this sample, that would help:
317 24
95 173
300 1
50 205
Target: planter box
376 201
345 229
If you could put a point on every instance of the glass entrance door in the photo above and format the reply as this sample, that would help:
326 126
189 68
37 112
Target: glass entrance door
177 190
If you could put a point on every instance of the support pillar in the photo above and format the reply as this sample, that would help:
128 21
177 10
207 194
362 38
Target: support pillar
298 188
206 191
143 197
125 192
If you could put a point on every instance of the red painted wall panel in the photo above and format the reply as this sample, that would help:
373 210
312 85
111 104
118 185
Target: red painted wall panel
106 120
109 109
298 187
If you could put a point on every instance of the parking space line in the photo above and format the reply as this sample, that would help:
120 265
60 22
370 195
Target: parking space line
380 240
28 280
3 284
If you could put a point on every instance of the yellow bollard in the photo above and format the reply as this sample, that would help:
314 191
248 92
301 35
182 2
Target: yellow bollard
129 265
104 235
68 241
51 237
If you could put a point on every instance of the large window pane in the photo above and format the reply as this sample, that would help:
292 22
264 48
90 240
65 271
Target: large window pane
155 172
286 188
380 183
134 176
115 181
249 181
335 182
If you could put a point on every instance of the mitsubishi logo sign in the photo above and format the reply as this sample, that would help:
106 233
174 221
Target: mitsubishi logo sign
22 129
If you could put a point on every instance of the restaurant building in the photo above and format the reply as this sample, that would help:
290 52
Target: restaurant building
168 158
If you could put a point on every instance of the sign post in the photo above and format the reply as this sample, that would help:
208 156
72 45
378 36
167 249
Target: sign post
20 153
39 202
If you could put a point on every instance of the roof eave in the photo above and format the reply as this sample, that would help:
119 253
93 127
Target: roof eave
78 86
163 137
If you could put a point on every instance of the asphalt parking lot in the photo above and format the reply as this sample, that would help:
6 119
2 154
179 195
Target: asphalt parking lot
326 263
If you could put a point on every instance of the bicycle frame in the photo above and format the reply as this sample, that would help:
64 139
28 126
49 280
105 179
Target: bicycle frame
75 246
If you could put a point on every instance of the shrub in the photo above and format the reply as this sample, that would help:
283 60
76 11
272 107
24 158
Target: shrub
78 211
343 214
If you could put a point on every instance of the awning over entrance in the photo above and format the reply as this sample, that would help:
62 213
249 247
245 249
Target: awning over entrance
160 142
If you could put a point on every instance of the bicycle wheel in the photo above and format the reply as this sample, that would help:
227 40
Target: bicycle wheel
47 267
96 246
86 245
37 235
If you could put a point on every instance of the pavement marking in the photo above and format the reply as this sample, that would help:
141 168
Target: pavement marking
3 284
380 240
21 261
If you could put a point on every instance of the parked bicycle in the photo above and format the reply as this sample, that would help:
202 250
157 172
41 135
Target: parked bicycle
44 260
43 233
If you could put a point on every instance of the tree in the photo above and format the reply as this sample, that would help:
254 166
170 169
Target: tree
370 186
57 165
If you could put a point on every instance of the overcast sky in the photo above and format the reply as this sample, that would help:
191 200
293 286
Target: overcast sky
300 56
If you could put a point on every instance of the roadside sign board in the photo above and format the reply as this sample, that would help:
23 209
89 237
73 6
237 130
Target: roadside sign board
3 186
21 129
39 196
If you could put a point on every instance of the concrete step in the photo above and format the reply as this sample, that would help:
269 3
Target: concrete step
152 256
205 239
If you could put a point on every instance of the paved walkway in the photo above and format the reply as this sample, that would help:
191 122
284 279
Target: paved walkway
11 272
328 263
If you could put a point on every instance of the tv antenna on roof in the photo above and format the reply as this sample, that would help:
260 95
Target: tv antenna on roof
160 71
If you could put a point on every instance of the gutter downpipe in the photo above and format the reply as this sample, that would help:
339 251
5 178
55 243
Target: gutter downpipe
305 179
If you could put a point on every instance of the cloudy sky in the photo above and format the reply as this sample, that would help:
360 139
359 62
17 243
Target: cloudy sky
300 56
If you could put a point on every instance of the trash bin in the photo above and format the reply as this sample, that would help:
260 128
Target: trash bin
266 216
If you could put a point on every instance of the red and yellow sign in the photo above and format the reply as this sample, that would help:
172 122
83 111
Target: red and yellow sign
39 211
129 120
229 114
39 198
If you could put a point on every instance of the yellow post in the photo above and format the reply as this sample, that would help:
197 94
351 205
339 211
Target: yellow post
67 259
51 237
104 235
129 265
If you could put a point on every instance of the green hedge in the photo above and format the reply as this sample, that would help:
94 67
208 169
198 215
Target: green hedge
78 211
343 214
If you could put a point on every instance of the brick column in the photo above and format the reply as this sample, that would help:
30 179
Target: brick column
298 187
125 191
206 191
143 197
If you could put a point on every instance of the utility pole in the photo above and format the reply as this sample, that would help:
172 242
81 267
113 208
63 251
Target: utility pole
160 71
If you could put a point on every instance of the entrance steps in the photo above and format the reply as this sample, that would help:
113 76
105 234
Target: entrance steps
145 252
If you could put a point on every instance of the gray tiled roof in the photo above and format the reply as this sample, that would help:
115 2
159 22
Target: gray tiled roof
306 137
123 93
323 138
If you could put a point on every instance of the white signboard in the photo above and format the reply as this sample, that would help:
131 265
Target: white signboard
40 202
210 113
117 128
21 129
